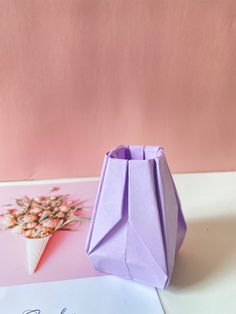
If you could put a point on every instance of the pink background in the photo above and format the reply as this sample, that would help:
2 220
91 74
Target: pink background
79 77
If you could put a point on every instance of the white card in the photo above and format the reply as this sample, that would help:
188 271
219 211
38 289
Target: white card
100 295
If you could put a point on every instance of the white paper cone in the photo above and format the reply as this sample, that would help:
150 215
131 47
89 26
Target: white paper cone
34 249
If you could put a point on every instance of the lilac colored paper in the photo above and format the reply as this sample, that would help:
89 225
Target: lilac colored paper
137 225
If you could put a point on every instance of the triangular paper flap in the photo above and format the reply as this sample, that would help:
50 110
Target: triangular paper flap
181 224
152 152
143 209
109 208
169 209
115 243
101 179
141 263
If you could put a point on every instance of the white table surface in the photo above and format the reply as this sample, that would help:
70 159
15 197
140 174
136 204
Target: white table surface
204 277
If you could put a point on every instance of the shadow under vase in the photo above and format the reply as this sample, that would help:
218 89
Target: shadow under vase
209 246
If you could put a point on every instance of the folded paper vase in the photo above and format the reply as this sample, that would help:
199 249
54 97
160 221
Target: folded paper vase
137 225
35 249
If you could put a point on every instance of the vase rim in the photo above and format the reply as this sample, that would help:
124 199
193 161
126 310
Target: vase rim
136 152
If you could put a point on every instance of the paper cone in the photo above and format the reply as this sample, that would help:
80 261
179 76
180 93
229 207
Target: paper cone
35 249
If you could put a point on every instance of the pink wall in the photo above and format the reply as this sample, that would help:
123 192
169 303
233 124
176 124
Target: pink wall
79 77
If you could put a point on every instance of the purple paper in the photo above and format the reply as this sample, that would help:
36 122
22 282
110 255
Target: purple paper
137 225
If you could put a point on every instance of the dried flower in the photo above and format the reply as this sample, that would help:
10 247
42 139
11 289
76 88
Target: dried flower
7 221
60 215
64 209
27 218
31 225
36 210
50 223
41 216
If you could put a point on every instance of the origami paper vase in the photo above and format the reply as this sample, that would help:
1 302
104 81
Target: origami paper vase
137 225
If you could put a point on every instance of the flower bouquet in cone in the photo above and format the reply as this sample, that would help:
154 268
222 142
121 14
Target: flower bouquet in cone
37 219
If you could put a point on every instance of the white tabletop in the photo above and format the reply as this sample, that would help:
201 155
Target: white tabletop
204 278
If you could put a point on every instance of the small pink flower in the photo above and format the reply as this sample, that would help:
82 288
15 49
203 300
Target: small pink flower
60 215
8 221
56 209
40 232
31 225
46 202
27 218
36 210
44 233
64 209
50 223
45 214
28 233
38 199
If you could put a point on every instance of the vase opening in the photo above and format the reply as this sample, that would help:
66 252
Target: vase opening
136 152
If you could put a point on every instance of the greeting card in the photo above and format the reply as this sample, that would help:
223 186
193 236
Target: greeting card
43 231
44 268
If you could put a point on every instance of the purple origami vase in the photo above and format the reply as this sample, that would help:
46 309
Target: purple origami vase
137 225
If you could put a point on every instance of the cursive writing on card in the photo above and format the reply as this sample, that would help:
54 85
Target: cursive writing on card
64 311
